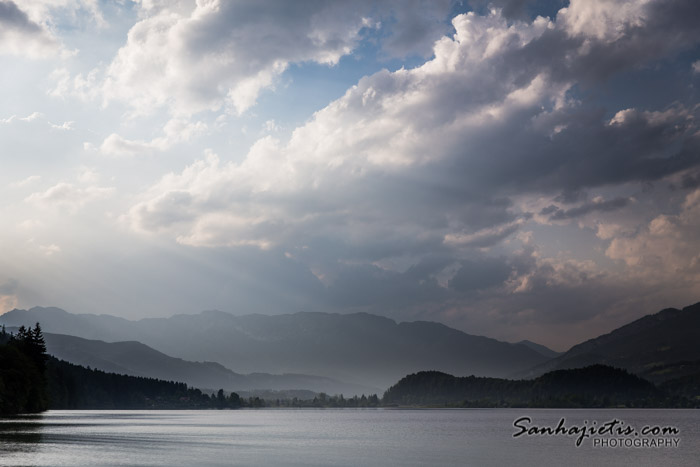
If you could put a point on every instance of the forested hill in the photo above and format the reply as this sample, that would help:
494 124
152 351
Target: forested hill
75 387
593 386
32 381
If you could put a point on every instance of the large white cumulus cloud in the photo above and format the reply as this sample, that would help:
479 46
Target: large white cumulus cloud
367 144
436 149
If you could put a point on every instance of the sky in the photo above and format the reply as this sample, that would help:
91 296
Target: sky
516 169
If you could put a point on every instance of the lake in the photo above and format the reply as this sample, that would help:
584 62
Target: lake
347 437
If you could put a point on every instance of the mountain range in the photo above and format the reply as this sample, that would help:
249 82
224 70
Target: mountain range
137 359
658 347
357 348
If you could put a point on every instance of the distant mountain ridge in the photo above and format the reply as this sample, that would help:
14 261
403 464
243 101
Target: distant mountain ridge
658 347
136 359
541 349
356 348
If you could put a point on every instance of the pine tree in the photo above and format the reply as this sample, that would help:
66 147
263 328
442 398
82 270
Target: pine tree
23 380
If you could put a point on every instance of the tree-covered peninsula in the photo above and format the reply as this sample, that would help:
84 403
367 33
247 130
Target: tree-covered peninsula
592 386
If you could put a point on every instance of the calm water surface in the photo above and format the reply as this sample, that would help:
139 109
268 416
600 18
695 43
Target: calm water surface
330 437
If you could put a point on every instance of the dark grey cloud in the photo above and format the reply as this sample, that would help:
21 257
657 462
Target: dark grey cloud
478 275
571 196
691 180
414 26
587 153
670 28
521 9
19 34
12 17
667 29
556 214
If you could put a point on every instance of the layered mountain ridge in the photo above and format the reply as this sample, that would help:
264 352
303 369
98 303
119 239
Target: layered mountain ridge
357 348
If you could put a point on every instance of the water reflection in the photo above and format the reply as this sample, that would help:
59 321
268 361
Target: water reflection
21 434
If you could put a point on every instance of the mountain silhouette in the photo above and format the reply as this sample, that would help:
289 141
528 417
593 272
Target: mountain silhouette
137 359
358 348
658 347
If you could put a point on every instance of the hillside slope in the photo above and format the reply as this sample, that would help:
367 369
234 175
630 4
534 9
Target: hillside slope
658 347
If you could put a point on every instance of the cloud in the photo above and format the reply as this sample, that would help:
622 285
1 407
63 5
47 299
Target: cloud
485 237
422 153
65 126
29 225
55 11
619 35
82 86
415 26
603 20
556 300
50 250
25 182
373 133
596 205
88 175
175 131
666 249
29 118
191 57
473 275
483 186
405 195
225 53
68 196
28 28
116 145
522 10
20 35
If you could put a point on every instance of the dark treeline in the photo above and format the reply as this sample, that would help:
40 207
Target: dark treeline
32 381
23 383
323 400
75 387
593 386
